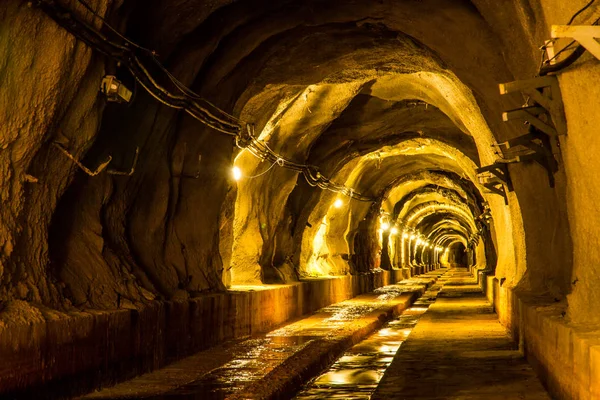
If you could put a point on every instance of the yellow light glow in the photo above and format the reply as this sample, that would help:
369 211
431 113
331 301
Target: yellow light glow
385 226
405 235
413 236
338 203
394 231
318 265
237 173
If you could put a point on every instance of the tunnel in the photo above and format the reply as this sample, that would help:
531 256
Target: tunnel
303 199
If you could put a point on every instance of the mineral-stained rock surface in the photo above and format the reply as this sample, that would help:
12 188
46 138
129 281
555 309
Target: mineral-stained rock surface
396 100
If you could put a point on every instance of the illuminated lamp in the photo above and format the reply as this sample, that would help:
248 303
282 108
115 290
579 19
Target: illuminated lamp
237 173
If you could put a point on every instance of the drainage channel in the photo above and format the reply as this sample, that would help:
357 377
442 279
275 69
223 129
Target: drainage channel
356 374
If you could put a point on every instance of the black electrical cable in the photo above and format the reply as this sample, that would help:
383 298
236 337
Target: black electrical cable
568 61
571 58
548 68
190 102
115 31
580 11
180 86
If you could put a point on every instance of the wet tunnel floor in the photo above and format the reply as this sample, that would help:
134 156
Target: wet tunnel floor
447 345
357 373
459 350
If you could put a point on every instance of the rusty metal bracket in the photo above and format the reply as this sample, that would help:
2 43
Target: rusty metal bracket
496 179
537 142
586 35
85 169
131 170
547 112
100 167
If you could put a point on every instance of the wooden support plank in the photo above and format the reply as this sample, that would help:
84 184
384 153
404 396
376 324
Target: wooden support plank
586 35
497 190
535 83
550 53
539 98
522 113
548 98
542 126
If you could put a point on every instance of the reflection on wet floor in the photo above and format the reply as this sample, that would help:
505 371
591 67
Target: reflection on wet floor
357 373
253 368
252 362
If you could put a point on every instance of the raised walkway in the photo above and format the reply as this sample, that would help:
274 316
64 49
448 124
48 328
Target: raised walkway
459 350
430 337
279 362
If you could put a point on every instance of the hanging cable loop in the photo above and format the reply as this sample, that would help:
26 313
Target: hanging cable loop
130 55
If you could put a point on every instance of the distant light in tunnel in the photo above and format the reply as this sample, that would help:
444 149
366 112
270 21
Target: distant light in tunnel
385 226
237 173
394 231
338 203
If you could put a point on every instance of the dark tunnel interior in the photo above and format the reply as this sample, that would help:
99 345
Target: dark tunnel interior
177 175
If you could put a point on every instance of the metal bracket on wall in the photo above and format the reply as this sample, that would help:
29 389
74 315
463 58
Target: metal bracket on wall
547 114
82 167
131 170
538 144
496 179
100 167
484 219
585 34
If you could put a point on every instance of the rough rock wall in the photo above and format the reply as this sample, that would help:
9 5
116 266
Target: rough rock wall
156 233
48 85
576 181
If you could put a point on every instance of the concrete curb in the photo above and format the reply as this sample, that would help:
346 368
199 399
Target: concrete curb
308 363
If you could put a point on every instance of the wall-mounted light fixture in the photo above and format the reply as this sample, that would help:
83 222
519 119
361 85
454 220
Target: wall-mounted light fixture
115 90
236 172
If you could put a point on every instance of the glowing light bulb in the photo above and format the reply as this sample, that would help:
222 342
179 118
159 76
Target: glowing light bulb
394 231
237 173
413 236
419 241
385 226
405 235
338 203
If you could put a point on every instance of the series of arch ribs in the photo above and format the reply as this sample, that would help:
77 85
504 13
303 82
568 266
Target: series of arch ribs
299 199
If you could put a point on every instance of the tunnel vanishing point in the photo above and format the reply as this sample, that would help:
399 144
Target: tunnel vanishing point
227 199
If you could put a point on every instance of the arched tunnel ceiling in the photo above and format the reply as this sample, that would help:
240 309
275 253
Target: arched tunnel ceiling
373 94
371 106
395 100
